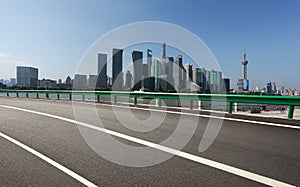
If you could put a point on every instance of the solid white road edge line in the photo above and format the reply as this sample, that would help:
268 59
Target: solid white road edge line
201 115
49 160
186 113
204 161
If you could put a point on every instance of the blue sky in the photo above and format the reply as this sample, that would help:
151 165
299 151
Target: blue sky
53 35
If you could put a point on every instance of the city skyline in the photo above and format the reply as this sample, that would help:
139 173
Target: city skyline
139 72
46 40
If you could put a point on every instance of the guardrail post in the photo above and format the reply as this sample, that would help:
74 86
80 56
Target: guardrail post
230 108
135 100
47 95
27 95
37 95
199 105
17 94
7 94
70 97
98 98
291 111
159 102
191 104
83 97
115 99
57 96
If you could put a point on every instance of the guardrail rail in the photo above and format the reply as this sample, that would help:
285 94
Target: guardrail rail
290 101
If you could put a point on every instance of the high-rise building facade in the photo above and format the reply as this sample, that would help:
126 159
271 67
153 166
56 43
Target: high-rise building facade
170 62
128 80
226 85
27 76
138 69
177 73
117 67
199 77
149 61
102 71
269 88
215 81
157 73
189 72
163 50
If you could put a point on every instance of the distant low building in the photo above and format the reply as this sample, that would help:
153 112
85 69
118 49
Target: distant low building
92 81
80 81
2 85
47 83
67 84
269 88
68 81
12 82
242 85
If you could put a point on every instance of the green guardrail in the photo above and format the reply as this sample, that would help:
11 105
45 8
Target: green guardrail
290 101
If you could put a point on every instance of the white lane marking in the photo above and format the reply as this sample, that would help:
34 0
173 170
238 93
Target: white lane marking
201 160
199 115
49 160
186 113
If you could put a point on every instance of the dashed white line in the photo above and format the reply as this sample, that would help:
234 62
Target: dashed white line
204 161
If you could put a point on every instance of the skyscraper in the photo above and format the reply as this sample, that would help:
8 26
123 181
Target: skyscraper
27 76
149 61
226 85
170 66
138 69
117 66
157 73
189 72
269 88
163 59
177 73
274 88
102 71
199 77
163 50
169 73
128 80
215 81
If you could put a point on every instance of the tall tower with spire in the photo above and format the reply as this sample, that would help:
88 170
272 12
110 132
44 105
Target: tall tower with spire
244 63
243 84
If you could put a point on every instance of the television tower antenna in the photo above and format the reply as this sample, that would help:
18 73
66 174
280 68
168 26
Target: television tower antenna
244 63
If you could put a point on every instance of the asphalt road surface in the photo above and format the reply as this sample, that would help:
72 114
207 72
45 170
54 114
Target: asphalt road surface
41 145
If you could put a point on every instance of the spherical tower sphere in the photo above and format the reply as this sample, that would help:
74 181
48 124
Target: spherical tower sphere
245 62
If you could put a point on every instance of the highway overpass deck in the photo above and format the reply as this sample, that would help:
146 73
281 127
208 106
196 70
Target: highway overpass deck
263 150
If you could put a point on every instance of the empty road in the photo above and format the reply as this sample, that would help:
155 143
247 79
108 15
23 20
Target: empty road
42 145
